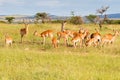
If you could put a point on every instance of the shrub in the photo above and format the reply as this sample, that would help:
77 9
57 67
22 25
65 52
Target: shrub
76 20
2 22
56 21
114 21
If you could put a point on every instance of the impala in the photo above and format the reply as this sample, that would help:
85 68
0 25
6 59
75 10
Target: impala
79 37
44 34
63 35
91 41
24 31
75 40
55 42
8 40
110 38
97 36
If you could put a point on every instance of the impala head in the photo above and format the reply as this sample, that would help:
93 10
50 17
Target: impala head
26 23
81 30
116 32
64 22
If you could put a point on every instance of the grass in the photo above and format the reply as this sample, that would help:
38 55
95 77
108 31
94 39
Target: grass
33 61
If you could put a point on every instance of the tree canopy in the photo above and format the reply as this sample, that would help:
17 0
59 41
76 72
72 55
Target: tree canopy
41 16
9 19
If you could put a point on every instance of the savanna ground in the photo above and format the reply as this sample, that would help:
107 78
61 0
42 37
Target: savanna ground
32 61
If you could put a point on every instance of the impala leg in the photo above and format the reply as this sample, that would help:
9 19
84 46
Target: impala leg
57 45
11 44
74 44
43 40
81 43
66 42
21 38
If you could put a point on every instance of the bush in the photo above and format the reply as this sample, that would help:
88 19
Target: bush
56 21
76 20
114 21
91 18
2 22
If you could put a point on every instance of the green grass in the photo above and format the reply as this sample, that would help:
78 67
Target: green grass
33 61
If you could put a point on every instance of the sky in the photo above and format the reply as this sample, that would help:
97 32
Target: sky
57 7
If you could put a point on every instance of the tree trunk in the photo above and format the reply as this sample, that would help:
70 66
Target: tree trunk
63 25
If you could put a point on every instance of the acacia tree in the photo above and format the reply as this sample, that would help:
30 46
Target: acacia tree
72 13
9 19
91 18
41 16
101 11
63 25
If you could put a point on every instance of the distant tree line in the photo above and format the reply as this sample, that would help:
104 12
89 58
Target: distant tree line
43 17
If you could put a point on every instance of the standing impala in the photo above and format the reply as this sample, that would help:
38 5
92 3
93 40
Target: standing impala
44 34
55 42
24 31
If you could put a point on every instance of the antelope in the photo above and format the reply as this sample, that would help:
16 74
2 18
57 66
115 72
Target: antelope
55 42
91 41
75 40
63 35
24 31
44 34
74 33
110 38
96 36
79 37
8 40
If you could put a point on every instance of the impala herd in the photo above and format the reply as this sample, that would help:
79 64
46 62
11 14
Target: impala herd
82 37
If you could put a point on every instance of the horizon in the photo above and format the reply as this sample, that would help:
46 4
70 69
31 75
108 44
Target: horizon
56 7
50 14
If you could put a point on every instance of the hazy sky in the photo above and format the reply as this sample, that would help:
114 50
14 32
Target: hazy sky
57 7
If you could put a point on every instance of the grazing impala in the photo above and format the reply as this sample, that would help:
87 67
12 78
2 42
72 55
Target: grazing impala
8 40
75 40
79 37
55 42
91 41
110 38
96 36
24 31
44 34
